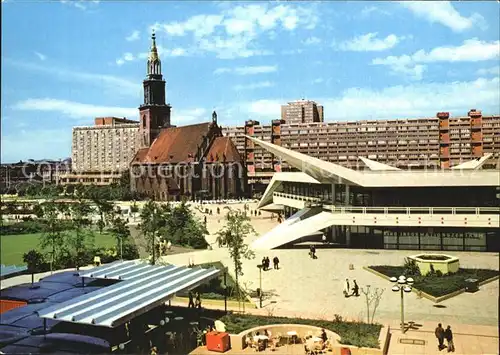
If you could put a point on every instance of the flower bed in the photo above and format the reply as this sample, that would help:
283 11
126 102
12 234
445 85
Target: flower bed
439 285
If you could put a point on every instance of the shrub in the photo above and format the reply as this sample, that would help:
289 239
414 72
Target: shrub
411 267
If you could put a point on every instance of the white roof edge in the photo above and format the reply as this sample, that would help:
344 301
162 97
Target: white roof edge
473 164
376 166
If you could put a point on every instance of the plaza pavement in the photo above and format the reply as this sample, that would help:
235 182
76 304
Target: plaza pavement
304 287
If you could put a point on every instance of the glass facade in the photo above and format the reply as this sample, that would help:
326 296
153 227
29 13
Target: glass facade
411 238
458 239
397 197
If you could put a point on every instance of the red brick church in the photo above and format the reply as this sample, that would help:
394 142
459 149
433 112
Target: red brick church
194 161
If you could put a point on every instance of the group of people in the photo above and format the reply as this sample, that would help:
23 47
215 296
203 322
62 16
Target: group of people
347 289
194 300
266 263
441 335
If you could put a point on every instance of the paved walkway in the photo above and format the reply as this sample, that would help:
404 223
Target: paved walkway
468 339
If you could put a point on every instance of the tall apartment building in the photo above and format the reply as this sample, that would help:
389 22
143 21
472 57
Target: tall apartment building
416 143
109 146
302 111
101 153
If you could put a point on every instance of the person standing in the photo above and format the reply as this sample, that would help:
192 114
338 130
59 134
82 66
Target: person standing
355 289
448 335
347 289
191 300
198 300
439 333
276 262
313 250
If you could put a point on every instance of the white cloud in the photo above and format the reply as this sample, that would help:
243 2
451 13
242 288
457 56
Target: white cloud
489 71
41 56
80 4
36 144
370 42
268 109
189 115
472 50
113 84
420 100
248 70
318 81
234 32
253 86
71 109
312 41
369 10
134 36
444 13
162 52
199 25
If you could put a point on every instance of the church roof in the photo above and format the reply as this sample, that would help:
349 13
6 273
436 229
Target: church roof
224 149
174 145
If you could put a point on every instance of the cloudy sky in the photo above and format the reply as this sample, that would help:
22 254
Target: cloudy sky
65 62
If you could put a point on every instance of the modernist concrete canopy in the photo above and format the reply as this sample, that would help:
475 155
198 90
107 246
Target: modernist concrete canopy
318 169
329 173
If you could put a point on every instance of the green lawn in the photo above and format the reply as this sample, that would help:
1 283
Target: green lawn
439 286
14 246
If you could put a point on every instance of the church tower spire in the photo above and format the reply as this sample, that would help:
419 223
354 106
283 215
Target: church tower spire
154 62
154 112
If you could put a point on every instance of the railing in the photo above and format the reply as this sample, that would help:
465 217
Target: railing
394 210
297 197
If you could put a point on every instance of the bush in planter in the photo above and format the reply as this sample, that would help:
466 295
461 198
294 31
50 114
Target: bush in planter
411 267
35 262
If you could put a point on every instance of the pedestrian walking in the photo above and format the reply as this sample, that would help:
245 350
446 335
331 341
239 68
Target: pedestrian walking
355 289
439 332
276 263
313 251
448 335
347 289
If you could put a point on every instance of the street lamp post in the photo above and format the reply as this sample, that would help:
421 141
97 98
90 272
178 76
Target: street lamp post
402 284
260 266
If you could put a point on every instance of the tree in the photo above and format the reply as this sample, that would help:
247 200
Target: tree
183 227
80 212
372 296
121 232
35 262
152 220
104 208
53 235
237 228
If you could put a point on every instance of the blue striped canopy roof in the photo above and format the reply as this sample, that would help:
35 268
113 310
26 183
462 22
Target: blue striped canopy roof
144 288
